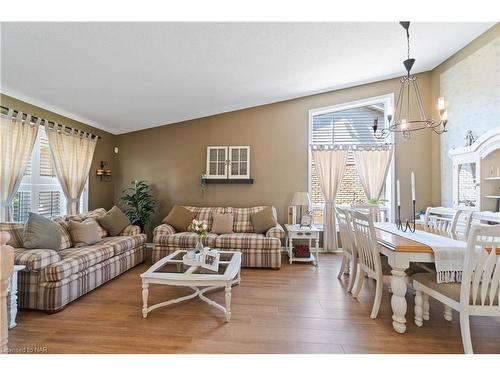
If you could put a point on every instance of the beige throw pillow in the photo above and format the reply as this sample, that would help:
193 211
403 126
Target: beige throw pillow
179 217
85 233
223 223
263 220
114 221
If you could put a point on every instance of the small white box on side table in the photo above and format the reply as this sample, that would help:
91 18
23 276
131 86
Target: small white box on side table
296 232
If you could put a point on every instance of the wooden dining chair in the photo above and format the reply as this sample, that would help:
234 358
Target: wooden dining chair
461 223
349 253
369 262
372 210
440 218
479 292
483 217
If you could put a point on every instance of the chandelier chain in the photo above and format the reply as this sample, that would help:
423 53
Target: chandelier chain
408 41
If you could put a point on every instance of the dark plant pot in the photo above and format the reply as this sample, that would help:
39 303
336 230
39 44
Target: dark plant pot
138 223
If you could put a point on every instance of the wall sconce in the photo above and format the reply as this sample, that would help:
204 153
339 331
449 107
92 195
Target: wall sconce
103 171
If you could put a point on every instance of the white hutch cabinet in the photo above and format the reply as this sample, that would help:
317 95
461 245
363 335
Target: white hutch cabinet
476 173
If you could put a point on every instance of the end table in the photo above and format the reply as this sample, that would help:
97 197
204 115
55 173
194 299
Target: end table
297 232
12 297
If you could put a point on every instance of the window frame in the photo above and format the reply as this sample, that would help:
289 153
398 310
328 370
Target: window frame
387 100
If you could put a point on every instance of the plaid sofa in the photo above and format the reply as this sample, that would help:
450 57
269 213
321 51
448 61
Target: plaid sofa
257 250
52 279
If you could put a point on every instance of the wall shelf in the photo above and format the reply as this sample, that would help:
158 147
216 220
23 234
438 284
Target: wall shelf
492 178
228 180
492 196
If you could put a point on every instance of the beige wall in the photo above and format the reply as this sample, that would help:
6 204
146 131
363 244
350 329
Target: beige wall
172 157
100 193
475 71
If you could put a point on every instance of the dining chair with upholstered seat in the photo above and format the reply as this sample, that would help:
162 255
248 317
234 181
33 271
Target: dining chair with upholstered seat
349 253
479 292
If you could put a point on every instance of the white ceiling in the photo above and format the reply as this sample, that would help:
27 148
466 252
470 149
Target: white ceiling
122 77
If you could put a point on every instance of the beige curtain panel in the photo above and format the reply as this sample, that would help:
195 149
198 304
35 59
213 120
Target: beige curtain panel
72 154
330 167
372 165
17 137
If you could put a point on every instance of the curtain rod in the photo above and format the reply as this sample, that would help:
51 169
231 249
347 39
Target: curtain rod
351 145
6 109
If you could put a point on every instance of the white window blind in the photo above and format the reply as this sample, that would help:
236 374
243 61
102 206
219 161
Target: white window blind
46 164
350 126
21 206
49 203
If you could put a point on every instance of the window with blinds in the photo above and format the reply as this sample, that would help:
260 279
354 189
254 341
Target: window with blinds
21 205
46 164
344 124
27 171
40 190
49 203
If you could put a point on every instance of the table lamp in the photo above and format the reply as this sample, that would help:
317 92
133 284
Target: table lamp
301 199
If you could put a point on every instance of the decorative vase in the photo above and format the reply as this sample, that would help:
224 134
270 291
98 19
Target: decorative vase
199 245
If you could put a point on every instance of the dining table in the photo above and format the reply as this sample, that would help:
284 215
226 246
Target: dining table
400 252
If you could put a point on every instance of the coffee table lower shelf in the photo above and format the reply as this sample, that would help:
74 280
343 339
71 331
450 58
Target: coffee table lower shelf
197 293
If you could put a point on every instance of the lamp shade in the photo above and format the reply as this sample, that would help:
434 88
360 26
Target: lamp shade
301 198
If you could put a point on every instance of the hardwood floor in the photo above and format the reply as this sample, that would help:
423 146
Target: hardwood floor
298 309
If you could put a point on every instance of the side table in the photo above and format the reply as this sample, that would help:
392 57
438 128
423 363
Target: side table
296 232
12 297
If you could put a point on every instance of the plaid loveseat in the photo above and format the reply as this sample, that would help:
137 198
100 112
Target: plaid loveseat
257 250
52 279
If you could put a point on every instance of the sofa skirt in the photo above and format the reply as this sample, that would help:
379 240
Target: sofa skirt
34 293
256 258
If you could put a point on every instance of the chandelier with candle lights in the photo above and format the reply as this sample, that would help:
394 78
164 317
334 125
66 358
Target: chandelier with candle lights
409 115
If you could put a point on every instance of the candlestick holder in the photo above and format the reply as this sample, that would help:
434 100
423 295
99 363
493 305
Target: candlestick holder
408 224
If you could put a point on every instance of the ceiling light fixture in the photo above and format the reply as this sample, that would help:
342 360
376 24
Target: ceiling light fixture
409 114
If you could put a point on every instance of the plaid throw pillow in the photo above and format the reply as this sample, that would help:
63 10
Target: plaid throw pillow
65 236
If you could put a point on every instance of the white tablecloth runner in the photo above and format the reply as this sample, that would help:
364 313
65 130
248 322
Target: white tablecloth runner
449 254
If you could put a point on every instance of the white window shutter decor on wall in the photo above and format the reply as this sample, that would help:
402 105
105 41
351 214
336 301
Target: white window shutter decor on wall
216 162
228 162
239 162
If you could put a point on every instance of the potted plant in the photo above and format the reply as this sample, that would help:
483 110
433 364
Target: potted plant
139 203
379 201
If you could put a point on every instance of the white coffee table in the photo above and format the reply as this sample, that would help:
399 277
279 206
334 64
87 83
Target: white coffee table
171 271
